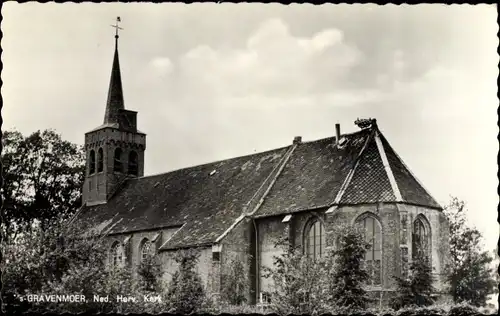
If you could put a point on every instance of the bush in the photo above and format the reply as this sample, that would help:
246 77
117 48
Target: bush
430 310
347 276
234 284
237 309
463 309
150 274
46 263
417 290
186 293
298 282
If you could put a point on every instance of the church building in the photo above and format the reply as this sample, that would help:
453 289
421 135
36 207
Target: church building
236 209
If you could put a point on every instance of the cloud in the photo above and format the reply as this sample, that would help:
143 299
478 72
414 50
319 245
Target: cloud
162 64
272 64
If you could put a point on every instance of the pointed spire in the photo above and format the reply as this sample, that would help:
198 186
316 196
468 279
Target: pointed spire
115 93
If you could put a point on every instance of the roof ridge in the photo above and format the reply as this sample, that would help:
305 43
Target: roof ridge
350 175
332 137
387 168
247 155
211 163
280 165
170 238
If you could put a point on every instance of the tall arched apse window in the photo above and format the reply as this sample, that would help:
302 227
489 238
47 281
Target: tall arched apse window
117 255
100 160
372 230
133 163
146 250
117 162
315 239
92 162
420 238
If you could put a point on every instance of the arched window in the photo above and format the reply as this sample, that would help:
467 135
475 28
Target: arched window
92 162
420 238
117 255
315 240
100 160
133 163
373 256
146 250
117 165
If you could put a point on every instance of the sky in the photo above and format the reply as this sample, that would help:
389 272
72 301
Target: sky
216 81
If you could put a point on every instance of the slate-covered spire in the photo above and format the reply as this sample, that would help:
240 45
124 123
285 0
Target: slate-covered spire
115 93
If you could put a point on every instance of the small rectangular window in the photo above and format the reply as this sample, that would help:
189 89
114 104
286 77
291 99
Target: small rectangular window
265 298
216 256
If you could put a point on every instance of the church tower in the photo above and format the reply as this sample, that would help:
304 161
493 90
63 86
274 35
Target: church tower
114 150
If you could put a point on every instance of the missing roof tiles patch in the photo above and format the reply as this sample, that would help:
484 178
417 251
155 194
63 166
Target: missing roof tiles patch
343 141
287 218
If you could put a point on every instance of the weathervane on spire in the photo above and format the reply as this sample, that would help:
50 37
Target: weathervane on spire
116 26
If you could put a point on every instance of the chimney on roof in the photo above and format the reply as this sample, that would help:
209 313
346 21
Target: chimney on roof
337 133
297 140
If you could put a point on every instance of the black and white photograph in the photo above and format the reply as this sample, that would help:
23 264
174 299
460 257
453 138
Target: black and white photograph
243 158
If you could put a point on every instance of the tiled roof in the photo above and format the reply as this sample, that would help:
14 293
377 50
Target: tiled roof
206 203
411 190
370 182
313 175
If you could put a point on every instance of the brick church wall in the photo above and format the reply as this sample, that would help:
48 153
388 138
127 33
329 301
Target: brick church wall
240 243
204 266
168 265
439 240
238 246
270 229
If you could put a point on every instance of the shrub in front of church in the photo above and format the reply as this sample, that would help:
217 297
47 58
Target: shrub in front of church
297 282
23 269
150 283
150 274
95 277
40 262
185 293
234 284
347 275
464 309
416 290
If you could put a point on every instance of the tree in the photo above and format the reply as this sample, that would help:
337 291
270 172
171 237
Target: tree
61 262
150 274
348 276
298 282
417 289
470 275
186 293
43 177
234 283
56 261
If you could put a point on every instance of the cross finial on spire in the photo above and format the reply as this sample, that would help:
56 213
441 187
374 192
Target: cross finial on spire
115 93
116 26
